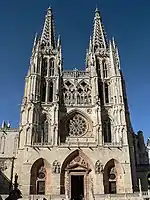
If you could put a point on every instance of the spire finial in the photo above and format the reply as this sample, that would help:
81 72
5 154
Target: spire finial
97 13
96 9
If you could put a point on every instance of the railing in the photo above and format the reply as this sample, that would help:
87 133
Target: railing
75 73
113 144
42 144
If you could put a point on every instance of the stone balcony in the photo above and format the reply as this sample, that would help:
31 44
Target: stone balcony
82 142
75 74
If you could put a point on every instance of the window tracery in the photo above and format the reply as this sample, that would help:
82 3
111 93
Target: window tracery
105 70
50 96
51 67
112 180
107 130
44 67
41 174
77 125
80 95
40 132
43 90
106 93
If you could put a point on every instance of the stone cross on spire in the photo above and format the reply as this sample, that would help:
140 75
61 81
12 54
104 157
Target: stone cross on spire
48 33
99 37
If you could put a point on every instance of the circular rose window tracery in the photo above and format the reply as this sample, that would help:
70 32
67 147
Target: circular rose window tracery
77 125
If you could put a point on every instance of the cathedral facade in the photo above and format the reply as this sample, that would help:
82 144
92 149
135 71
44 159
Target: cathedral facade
75 139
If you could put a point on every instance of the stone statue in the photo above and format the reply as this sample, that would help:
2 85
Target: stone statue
56 167
98 167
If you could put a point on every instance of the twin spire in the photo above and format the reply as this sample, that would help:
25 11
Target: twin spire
48 33
98 41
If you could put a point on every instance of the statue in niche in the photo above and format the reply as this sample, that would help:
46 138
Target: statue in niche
82 99
98 167
85 99
73 97
56 167
78 99
69 98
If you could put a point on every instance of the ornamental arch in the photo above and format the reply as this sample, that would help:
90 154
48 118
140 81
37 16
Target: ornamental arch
75 177
113 177
75 124
40 177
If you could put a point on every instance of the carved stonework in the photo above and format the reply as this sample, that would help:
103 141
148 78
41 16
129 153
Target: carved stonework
78 161
4 164
98 167
56 167
77 125
89 111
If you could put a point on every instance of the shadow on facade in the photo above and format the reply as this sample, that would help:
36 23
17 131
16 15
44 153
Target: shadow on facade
62 109
5 184
14 192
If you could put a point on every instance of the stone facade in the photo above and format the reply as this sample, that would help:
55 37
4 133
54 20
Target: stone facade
75 138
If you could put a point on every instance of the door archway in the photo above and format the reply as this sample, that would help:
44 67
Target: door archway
75 176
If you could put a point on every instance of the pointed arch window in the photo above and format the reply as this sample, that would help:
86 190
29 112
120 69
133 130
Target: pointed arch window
50 96
43 90
105 69
51 67
38 65
38 178
98 68
106 93
44 129
107 131
44 67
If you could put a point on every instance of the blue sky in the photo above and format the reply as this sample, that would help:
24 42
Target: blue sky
127 21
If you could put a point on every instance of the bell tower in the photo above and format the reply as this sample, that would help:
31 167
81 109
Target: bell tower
103 63
39 109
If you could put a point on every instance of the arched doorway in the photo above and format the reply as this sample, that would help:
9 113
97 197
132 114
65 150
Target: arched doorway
40 177
75 176
112 177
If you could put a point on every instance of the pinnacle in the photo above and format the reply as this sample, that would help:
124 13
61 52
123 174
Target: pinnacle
97 13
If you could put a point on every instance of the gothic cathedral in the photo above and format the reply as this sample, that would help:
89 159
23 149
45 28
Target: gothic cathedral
75 139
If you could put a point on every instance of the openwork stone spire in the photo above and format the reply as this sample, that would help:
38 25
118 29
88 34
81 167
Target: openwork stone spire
48 33
99 36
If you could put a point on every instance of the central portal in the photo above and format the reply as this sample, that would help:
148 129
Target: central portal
77 187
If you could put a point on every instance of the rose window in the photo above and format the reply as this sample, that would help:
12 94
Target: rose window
77 126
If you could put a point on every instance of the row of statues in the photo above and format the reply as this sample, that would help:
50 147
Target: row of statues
77 98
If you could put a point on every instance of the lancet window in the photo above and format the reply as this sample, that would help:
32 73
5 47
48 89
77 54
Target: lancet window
44 129
106 93
98 68
50 96
44 67
107 131
43 90
51 67
105 69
